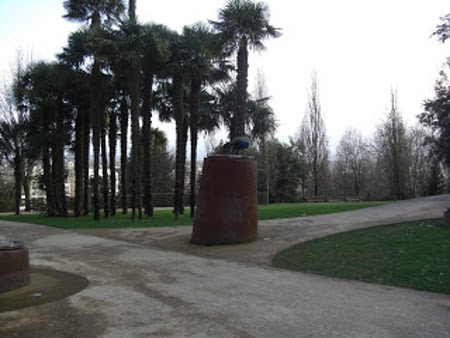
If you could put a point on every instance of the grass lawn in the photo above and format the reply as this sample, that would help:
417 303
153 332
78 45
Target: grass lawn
165 217
414 255
288 210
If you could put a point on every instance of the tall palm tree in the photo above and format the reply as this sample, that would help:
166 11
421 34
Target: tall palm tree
155 57
93 10
115 52
131 47
243 24
177 72
44 95
78 49
202 68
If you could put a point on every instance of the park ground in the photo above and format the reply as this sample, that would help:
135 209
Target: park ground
153 282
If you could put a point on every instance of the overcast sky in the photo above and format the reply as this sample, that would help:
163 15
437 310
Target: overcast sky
359 50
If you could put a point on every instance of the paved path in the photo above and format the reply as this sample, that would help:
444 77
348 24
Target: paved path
276 235
153 283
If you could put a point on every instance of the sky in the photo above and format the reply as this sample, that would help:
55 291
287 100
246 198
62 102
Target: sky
359 51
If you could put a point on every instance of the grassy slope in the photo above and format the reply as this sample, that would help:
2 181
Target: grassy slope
166 218
413 254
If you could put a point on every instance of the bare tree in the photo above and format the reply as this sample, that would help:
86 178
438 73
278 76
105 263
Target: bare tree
313 140
352 160
419 165
393 151
264 119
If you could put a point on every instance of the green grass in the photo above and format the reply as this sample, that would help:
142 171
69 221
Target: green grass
161 218
288 210
166 218
414 255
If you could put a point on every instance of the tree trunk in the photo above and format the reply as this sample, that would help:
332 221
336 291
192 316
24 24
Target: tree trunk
112 160
193 178
46 165
58 163
123 153
48 181
132 10
79 164
27 176
147 133
104 170
241 94
183 165
194 105
135 160
96 113
316 175
18 179
266 168
179 121
86 162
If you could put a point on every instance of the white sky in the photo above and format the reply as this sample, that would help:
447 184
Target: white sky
359 50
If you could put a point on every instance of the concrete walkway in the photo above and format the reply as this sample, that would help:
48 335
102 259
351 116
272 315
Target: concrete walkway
152 282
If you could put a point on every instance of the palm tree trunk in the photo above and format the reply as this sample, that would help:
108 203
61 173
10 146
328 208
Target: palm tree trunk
46 165
104 170
194 105
241 95
96 114
193 178
132 10
123 153
179 121
183 165
96 126
112 160
147 149
135 162
79 165
48 181
85 156
58 161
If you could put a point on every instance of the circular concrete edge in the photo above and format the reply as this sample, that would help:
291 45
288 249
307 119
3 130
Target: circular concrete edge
46 286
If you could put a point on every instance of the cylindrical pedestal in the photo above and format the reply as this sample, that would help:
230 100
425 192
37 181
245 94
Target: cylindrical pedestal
227 209
14 269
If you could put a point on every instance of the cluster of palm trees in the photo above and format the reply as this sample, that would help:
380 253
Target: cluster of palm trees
115 70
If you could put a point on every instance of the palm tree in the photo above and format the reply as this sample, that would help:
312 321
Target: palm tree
131 47
155 56
177 72
243 24
115 52
79 47
203 67
93 10
44 101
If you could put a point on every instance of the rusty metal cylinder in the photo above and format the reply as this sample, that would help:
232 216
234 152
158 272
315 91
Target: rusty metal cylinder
14 266
227 209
